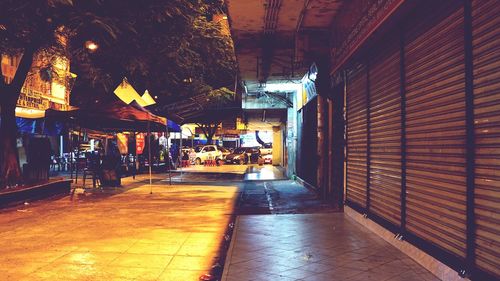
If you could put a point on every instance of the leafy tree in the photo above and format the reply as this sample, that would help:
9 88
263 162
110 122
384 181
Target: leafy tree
216 110
170 48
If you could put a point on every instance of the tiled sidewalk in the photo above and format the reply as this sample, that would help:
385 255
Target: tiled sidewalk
314 247
122 234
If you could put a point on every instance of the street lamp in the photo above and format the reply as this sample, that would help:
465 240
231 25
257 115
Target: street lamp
91 46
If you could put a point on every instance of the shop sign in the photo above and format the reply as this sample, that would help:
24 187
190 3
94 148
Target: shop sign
122 143
230 137
35 99
308 87
139 143
32 102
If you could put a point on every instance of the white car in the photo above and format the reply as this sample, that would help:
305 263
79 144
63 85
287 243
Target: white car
205 152
266 149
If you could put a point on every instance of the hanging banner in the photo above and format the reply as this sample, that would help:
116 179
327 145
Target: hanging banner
122 141
140 142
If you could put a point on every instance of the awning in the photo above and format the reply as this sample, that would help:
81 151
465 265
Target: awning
173 127
115 117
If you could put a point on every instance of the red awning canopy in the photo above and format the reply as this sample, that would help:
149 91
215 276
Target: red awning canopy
115 116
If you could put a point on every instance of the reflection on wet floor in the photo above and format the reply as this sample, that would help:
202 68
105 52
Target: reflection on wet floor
264 173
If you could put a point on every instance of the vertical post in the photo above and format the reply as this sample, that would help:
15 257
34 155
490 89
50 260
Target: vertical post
61 147
320 151
402 89
71 158
106 145
180 152
336 145
368 126
168 154
77 154
330 143
149 157
135 156
346 136
470 140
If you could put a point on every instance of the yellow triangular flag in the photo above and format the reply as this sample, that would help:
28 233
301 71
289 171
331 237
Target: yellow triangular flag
148 100
127 93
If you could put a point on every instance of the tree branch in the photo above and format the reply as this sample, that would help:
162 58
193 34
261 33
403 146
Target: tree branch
22 71
203 129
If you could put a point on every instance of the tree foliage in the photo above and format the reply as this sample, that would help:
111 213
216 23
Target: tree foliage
172 48
163 46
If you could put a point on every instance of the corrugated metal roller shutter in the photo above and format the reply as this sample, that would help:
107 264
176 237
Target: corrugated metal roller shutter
435 129
357 138
385 133
486 65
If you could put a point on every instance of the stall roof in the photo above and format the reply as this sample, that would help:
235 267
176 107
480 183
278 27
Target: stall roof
113 116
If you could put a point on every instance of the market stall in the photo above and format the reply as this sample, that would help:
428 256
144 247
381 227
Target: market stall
116 118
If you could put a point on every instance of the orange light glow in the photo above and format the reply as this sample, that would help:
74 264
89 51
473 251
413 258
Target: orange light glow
92 46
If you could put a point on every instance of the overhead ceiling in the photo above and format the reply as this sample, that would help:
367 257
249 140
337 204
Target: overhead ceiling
263 119
270 37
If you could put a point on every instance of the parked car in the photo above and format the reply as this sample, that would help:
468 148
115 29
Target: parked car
225 151
239 156
185 150
254 154
268 159
205 152
267 148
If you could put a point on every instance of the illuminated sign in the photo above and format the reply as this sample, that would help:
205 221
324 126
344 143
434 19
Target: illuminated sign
36 93
122 141
139 143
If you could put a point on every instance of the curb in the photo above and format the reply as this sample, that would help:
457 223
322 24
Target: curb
229 254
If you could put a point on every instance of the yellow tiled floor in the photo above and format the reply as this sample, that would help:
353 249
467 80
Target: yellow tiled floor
172 234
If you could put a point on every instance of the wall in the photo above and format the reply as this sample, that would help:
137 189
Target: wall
307 157
277 146
291 141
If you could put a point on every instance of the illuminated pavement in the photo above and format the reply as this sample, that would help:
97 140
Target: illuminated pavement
314 247
235 169
227 173
173 234
182 230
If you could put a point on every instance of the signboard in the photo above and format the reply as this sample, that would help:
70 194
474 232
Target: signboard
122 141
240 125
139 143
37 93
230 137
308 87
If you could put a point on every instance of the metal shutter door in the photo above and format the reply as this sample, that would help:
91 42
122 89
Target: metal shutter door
385 133
486 65
435 128
357 138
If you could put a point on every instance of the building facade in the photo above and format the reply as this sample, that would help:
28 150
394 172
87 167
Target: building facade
411 127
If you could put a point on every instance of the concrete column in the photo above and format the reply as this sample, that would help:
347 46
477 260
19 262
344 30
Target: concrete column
322 151
330 144
277 146
338 147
